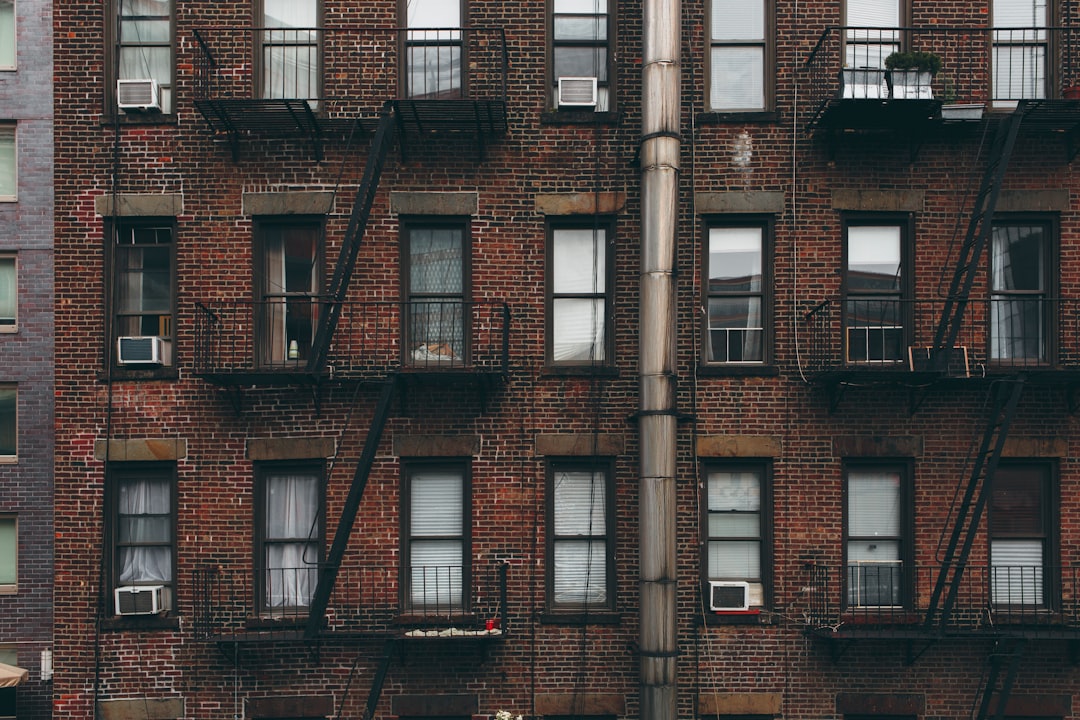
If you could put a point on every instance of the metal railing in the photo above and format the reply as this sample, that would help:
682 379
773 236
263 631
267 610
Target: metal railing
346 70
988 597
371 340
999 333
989 66
366 600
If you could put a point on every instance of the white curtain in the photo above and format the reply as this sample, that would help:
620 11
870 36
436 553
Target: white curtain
146 44
291 539
436 549
144 533
290 49
580 543
735 288
579 305
873 548
8 290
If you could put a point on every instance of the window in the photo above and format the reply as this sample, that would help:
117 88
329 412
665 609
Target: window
435 276
436 520
289 533
1021 540
1020 50
288 284
145 45
737 524
7 35
737 306
144 527
581 546
433 49
1021 318
9 396
739 55
290 49
581 46
876 534
145 284
875 292
9 554
8 163
9 293
872 32
579 283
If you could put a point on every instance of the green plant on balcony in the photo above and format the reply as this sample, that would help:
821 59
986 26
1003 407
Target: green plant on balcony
910 73
918 60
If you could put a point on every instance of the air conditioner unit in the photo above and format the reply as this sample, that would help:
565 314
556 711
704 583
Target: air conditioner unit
139 350
727 596
138 95
577 92
141 599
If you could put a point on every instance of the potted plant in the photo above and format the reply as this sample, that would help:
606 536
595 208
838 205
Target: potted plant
952 111
909 74
863 83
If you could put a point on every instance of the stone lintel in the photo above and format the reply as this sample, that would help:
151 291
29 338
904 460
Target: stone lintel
860 703
878 446
579 444
576 704
436 445
1044 447
141 449
289 202
459 705
141 709
878 200
739 703
580 203
302 448
290 706
729 446
1053 200
139 205
764 201
434 203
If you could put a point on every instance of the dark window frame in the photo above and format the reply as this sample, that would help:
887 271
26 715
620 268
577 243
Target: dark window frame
768 49
611 46
112 73
766 223
607 225
906 540
11 458
905 222
316 468
277 37
1046 471
409 468
13 325
609 537
455 38
763 467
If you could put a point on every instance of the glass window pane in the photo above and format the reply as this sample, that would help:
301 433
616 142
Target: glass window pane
7 33
579 261
1017 258
738 20
579 498
874 504
435 261
436 504
874 258
577 327
8 424
145 565
734 560
7 162
578 28
9 287
734 525
1017 572
596 7
433 13
290 13
581 62
436 576
873 13
735 491
735 259
1019 13
580 572
737 78
9 551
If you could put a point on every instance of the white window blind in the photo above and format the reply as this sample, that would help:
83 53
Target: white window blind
8 291
436 550
580 543
579 300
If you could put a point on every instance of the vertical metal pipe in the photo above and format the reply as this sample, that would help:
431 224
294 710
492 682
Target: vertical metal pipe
660 147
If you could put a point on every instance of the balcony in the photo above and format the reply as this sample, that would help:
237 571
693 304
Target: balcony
885 600
890 340
239 343
322 83
434 603
986 69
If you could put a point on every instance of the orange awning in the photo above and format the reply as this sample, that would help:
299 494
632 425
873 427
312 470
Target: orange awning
10 676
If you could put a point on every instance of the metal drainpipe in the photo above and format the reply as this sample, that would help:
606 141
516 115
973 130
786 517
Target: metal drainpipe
660 147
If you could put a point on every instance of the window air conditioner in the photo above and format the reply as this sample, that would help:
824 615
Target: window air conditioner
724 595
577 92
138 95
139 350
141 599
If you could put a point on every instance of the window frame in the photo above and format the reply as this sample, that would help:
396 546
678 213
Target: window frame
117 474
13 326
902 295
610 45
768 60
606 466
452 37
904 467
900 38
14 38
410 468
763 468
1050 271
1045 471
554 226
114 227
12 458
766 225
166 90
1043 37
266 39
12 587
10 128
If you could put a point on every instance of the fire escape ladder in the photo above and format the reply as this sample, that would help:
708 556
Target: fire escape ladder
350 244
978 233
380 678
969 513
1005 660
329 571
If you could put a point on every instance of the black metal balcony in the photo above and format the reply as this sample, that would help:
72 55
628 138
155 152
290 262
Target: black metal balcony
889 339
267 343
983 69
890 599
423 603
320 83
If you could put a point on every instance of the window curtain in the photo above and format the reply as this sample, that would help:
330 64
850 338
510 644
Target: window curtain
7 33
735 287
579 305
436 549
873 548
292 539
434 49
290 49
8 290
580 544
737 69
1020 44
144 532
870 37
146 44
289 282
1018 294
436 289
734 507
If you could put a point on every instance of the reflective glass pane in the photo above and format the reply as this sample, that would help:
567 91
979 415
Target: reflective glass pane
736 559
581 62
737 78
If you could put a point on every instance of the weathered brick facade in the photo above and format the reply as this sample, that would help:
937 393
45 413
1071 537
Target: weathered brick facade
808 421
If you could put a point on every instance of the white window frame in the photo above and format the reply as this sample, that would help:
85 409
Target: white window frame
12 38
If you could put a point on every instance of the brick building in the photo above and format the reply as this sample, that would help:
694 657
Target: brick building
360 304
26 352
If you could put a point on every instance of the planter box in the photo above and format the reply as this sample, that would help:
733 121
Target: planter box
910 85
863 84
962 113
